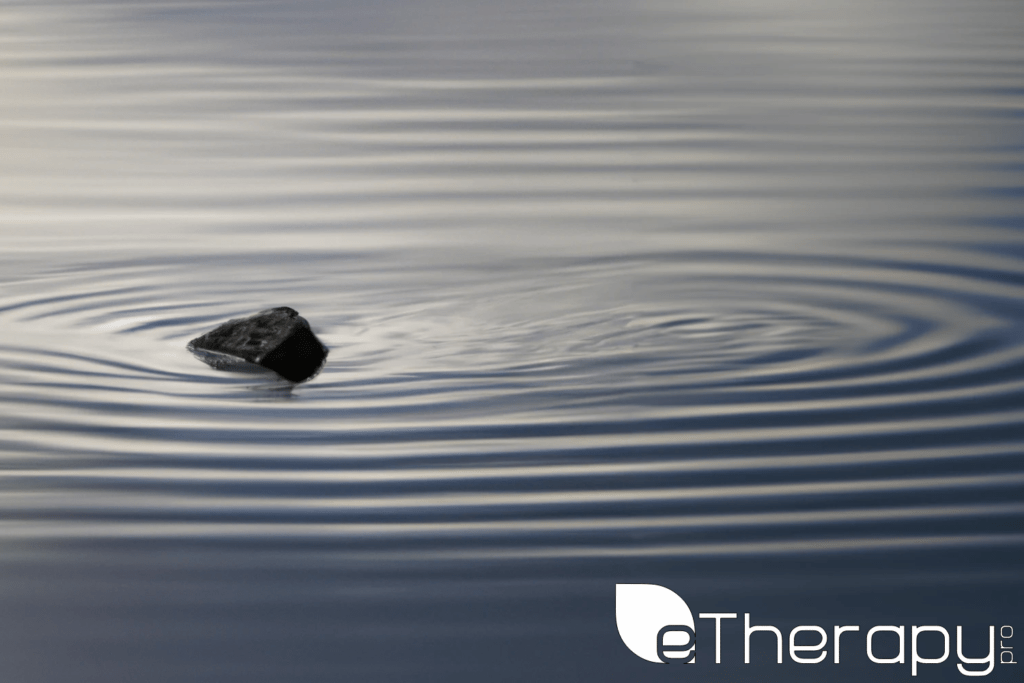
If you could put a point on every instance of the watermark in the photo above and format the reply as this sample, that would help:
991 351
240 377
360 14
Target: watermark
658 626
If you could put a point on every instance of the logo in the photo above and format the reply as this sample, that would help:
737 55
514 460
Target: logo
655 623
658 626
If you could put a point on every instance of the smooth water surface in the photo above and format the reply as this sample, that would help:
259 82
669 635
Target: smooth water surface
723 296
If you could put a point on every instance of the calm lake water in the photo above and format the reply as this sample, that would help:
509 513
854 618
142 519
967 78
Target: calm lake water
726 297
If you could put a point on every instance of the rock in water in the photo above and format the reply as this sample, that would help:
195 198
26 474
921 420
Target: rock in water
278 339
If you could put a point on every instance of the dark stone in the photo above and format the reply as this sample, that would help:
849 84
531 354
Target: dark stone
278 339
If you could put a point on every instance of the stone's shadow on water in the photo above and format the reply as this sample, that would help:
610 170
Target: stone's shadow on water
272 391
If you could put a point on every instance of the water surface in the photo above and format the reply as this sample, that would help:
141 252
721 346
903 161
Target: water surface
723 297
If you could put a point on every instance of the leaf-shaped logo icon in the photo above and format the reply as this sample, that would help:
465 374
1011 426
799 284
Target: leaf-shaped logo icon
654 623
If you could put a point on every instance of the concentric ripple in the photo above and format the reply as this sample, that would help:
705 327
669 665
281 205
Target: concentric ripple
673 404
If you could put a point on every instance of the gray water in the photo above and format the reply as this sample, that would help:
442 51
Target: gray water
721 296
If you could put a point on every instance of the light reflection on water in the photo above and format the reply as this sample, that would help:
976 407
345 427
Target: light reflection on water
725 297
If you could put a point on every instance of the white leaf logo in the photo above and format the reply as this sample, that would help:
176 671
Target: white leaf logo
645 613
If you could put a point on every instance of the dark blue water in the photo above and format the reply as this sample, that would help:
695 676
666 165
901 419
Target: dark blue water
723 297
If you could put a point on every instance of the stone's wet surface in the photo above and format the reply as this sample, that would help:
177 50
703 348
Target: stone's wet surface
278 339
